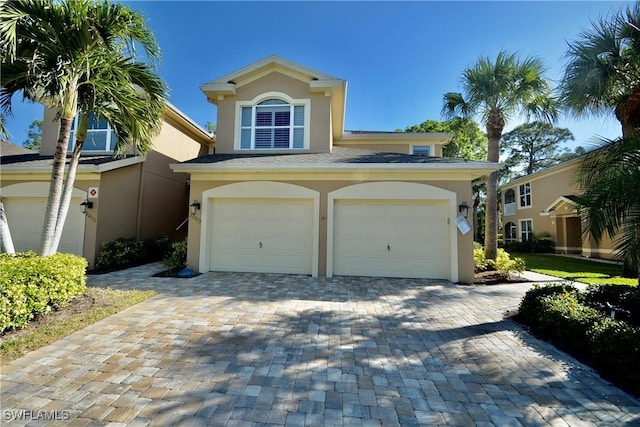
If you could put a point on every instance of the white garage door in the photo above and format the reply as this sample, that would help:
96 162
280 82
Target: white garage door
262 235
391 239
26 215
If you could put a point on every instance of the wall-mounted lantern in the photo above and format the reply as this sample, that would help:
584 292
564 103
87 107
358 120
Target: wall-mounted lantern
195 207
86 204
464 207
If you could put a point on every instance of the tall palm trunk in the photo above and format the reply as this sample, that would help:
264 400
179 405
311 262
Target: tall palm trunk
5 234
81 134
630 121
55 187
495 124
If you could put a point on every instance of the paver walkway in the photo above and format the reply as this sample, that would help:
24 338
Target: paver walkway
256 349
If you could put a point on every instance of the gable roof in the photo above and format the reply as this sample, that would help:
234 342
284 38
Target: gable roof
9 149
318 82
570 201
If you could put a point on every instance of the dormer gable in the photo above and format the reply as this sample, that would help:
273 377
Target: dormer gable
304 96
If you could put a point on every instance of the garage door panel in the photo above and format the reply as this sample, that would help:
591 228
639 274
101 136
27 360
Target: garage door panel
25 216
262 235
391 238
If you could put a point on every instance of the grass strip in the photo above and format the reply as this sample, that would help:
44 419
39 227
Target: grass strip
574 269
96 304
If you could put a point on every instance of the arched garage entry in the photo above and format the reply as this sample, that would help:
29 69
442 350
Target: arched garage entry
25 205
392 229
261 226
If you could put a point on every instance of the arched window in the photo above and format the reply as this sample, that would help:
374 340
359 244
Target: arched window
272 124
509 196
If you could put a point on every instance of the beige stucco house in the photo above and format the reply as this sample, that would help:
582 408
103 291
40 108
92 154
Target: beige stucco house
288 190
135 196
544 204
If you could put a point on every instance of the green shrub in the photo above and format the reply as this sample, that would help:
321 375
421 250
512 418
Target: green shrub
120 253
176 259
507 266
32 285
531 306
562 315
624 299
479 261
535 245
156 248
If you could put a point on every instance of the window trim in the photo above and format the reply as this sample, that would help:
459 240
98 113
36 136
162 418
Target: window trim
109 131
306 103
430 146
510 207
520 234
520 194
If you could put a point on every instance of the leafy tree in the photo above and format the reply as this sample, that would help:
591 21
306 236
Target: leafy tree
495 91
468 141
610 203
602 77
34 136
210 127
94 68
532 147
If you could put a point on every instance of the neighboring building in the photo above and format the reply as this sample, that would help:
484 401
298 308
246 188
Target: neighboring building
289 191
135 196
544 203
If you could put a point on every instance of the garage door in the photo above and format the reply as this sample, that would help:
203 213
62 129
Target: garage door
262 235
25 216
391 239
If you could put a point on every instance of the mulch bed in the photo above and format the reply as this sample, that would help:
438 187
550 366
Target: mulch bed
493 278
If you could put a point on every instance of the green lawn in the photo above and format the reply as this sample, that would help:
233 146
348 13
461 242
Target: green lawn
579 270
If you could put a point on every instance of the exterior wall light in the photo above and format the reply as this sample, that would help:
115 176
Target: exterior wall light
86 204
464 207
195 207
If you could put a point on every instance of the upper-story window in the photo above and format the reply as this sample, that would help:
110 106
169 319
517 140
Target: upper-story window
421 150
525 195
100 136
274 123
510 202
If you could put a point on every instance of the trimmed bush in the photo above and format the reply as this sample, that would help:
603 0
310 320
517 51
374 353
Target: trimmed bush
31 285
123 253
562 314
624 299
479 261
176 259
507 266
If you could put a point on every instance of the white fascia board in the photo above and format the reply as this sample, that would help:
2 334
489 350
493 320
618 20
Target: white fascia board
188 120
203 167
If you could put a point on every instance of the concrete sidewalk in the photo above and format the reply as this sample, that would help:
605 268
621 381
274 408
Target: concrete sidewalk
265 349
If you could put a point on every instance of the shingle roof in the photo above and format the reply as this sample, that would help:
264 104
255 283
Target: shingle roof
338 156
36 160
9 149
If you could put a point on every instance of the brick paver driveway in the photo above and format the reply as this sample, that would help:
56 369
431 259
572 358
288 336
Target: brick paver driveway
248 349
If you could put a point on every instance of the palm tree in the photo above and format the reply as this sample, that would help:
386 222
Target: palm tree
496 92
610 203
602 77
79 57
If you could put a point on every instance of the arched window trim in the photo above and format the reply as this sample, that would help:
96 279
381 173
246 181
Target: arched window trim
270 126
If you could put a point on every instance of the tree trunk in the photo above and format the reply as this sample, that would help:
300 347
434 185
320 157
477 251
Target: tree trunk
66 195
5 233
495 124
55 187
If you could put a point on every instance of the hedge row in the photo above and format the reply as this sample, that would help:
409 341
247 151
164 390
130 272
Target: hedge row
569 318
123 253
31 285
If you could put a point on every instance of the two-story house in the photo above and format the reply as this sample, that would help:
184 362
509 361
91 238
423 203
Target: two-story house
288 190
134 196
544 204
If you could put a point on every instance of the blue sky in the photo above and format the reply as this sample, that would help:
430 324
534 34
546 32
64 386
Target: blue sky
398 57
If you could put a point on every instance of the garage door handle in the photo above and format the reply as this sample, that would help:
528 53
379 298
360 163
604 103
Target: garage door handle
260 245
389 247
